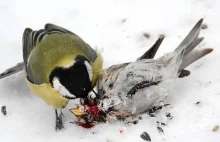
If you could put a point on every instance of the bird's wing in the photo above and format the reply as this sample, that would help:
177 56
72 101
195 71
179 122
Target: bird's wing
119 83
141 74
108 77
122 78
31 38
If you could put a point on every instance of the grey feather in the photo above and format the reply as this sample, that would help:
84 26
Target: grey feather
185 48
194 44
190 42
19 67
27 44
153 50
191 37
193 56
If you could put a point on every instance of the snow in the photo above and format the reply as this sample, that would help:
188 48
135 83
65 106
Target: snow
116 28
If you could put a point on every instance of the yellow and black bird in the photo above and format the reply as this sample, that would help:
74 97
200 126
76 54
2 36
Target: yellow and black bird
59 66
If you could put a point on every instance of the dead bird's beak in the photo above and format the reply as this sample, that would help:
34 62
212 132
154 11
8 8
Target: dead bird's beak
77 111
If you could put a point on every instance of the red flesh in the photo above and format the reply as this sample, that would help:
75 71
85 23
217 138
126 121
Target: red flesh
91 107
84 125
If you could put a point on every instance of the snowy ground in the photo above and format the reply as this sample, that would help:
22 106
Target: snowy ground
116 28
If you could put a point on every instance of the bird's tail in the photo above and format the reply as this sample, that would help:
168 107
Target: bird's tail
185 53
17 68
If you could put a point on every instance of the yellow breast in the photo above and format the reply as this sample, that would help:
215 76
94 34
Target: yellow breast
48 94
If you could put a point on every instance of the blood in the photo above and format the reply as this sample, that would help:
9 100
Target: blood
94 110
121 131
84 125
91 103
91 107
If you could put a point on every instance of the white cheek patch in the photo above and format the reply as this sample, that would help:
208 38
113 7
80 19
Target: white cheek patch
89 69
61 89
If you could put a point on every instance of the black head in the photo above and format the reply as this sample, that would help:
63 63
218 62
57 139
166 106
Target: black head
73 81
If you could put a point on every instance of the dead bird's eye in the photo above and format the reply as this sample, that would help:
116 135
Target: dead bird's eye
99 103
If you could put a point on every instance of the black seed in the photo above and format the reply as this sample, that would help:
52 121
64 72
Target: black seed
198 102
163 124
160 130
146 35
140 118
135 122
3 110
124 20
145 136
204 26
168 115
151 115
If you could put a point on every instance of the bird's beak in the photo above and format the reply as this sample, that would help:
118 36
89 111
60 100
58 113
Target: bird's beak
77 111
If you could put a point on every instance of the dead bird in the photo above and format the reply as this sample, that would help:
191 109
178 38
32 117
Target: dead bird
132 88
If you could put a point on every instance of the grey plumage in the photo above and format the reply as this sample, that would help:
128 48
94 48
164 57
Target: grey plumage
149 54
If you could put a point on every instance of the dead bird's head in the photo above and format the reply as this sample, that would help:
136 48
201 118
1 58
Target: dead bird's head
88 113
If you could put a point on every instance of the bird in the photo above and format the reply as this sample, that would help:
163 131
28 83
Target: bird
59 66
132 88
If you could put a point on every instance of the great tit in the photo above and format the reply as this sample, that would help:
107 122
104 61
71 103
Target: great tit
59 66
132 88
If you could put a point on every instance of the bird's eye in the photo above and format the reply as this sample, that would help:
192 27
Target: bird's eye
100 103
